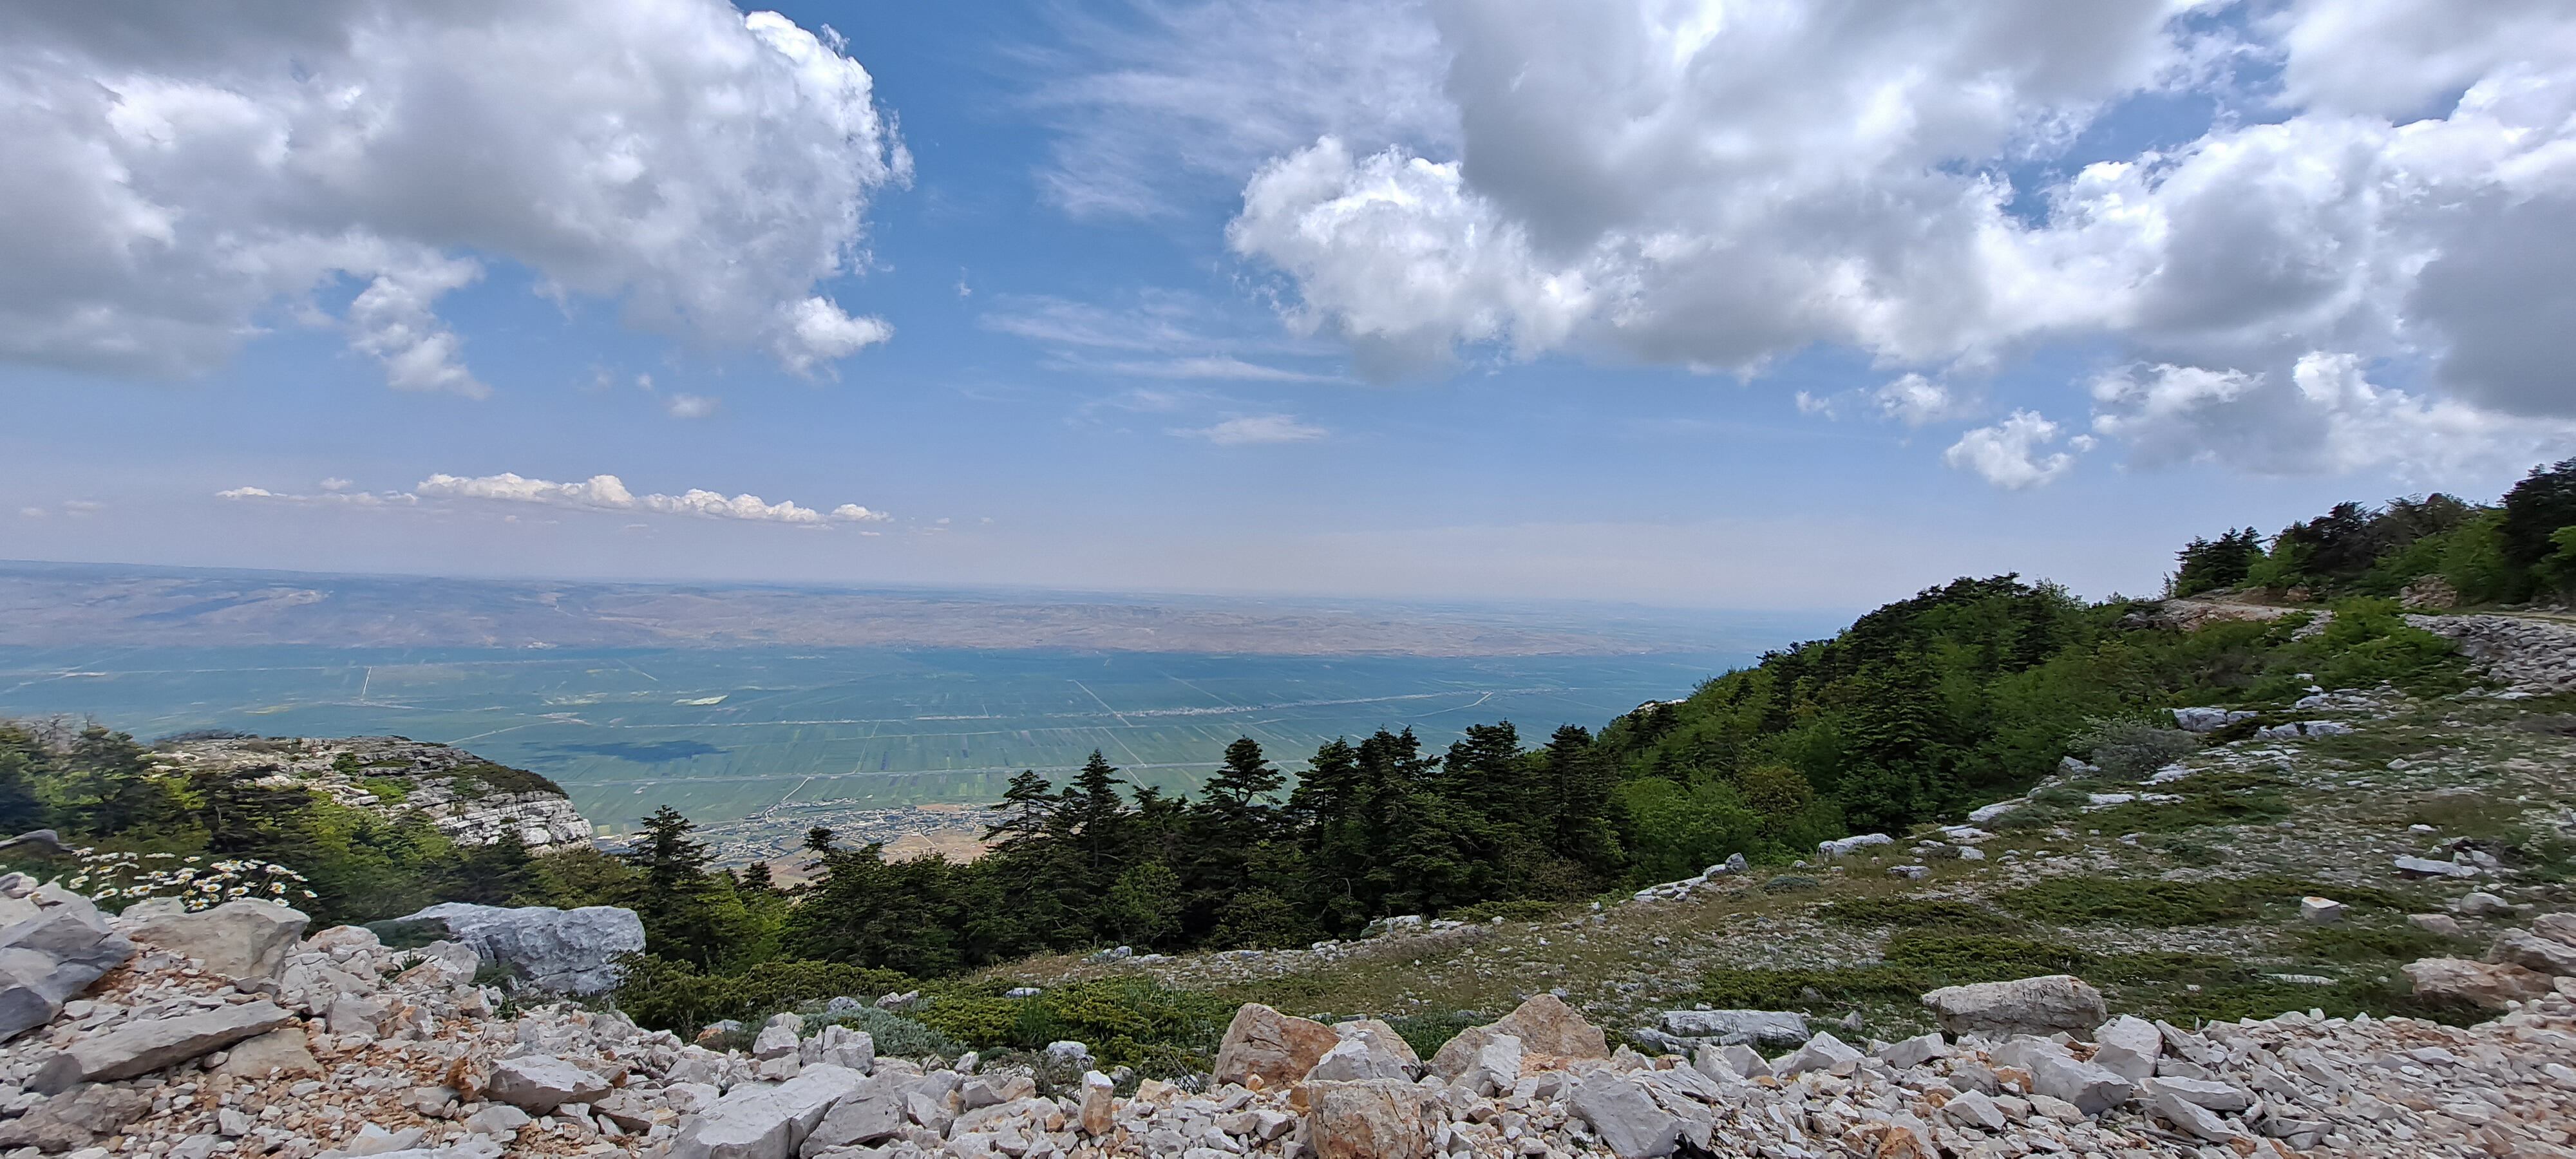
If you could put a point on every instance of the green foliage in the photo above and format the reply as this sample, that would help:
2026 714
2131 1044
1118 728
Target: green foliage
2132 749
1791 883
2208 565
2130 902
1918 913
897 1036
2534 512
1427 1033
1126 1021
2174 986
477 779
386 789
2208 799
665 994
2163 904
1680 830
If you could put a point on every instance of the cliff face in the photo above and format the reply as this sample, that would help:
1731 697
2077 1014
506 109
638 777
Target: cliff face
471 800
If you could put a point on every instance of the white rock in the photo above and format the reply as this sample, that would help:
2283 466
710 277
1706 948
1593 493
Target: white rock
2318 911
757 1122
1846 846
2128 1046
565 951
1822 1052
1974 1109
1625 1116
539 1083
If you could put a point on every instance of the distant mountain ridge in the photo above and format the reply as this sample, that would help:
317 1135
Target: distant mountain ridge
50 604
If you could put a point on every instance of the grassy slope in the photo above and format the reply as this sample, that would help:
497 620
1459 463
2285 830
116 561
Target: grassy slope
2327 813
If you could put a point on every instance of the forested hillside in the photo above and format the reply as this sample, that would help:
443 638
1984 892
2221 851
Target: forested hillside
1918 711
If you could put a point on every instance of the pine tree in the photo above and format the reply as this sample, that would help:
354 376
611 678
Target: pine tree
672 893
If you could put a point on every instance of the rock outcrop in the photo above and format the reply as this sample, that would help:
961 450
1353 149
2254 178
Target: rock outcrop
558 951
471 800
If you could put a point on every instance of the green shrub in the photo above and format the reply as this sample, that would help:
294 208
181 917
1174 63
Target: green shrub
1791 883
2352 943
2131 749
1917 913
1427 1033
896 1035
2087 900
2208 799
1130 1021
662 994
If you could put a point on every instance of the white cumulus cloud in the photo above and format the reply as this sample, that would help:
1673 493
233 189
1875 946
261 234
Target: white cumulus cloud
2011 454
182 174
2390 184
1255 429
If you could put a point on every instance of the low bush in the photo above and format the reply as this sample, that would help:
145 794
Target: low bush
2131 749
1427 1033
1916 912
896 1036
662 994
1131 1021
2087 900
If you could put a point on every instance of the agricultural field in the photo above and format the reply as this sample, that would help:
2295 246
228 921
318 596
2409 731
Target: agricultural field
739 734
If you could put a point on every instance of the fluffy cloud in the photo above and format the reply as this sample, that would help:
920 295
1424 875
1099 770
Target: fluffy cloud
181 174
597 493
2009 454
1255 429
1718 187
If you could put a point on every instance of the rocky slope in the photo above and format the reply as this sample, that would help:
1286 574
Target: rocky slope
471 800
228 1033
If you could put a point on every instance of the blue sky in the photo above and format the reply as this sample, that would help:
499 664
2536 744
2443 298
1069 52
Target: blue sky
1291 298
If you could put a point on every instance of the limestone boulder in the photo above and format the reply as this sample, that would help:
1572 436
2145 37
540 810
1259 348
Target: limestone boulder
2040 1006
75 1118
1099 1103
1496 1067
560 951
141 1046
2128 1046
1546 1025
869 1114
2531 951
1353 1060
765 1122
238 939
2485 985
1380 1037
1371 1119
1625 1116
277 1053
2560 928
1273 1047
1823 1052
2089 1087
59 945
1734 1027
539 1083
